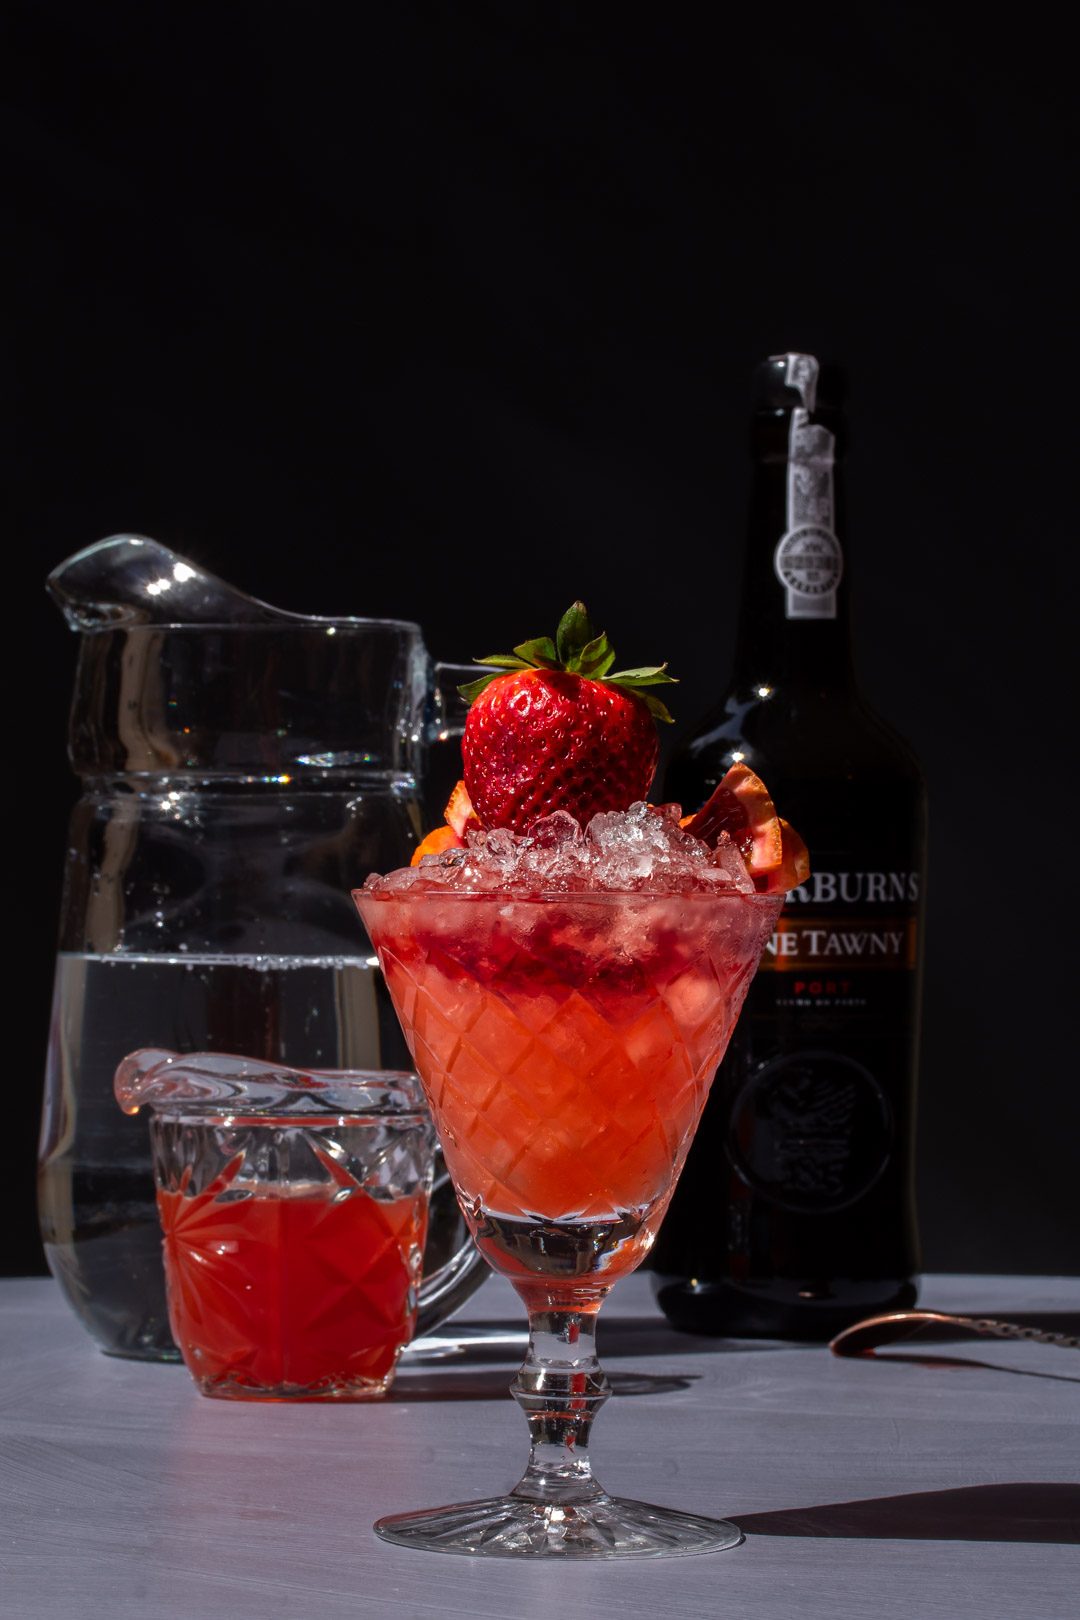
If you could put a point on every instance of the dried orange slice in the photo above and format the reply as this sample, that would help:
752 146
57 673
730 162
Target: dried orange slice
793 869
459 812
434 844
742 807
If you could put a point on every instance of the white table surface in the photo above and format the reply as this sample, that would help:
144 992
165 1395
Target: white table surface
940 1483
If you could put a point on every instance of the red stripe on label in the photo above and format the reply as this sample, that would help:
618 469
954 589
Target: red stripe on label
832 943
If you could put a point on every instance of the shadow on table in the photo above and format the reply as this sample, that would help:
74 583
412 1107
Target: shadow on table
457 1383
1021 1512
653 1336
621 1336
969 1362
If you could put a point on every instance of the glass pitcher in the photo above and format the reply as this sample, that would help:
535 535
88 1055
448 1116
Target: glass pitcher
243 769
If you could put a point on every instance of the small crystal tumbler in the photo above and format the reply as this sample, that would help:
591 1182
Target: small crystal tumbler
294 1210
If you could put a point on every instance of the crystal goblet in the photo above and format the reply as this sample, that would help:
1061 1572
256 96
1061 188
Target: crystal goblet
566 1043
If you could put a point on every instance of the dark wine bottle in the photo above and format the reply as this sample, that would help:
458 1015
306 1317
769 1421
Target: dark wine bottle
795 1212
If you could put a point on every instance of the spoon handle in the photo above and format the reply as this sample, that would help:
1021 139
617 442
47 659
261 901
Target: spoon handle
862 1338
1016 1330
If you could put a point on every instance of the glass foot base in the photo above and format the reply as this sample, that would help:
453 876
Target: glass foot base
225 1388
515 1527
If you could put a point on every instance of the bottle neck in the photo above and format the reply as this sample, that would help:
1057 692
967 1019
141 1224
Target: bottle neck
794 626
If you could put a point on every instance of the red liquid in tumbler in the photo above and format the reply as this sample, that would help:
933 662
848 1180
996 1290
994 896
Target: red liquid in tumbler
292 1293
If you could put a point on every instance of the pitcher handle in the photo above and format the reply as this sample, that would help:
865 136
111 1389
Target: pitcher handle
449 708
445 728
451 1285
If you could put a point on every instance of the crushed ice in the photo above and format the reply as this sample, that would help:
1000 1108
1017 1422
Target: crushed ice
640 848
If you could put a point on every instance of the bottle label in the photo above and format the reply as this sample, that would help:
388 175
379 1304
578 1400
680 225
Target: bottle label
858 920
811 1131
817 1083
808 560
809 563
830 943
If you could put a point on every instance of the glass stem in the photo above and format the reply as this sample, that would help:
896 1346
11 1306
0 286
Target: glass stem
560 1388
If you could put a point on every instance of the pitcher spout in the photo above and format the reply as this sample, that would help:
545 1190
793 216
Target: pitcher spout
130 579
195 1082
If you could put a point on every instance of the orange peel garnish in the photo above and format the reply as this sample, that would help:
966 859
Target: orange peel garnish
741 806
793 869
459 815
435 843
459 812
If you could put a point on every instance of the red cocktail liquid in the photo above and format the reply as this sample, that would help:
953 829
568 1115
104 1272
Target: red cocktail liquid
566 1045
294 1294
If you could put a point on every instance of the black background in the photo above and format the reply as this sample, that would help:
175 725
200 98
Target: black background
448 312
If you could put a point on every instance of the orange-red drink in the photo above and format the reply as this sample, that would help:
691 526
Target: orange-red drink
567 966
292 1294
566 1043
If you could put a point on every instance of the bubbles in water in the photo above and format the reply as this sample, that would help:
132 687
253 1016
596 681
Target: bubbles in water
620 850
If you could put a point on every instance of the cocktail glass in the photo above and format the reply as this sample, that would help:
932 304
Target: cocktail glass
566 1043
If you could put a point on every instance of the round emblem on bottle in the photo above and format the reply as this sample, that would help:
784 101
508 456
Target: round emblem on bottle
809 561
811 1132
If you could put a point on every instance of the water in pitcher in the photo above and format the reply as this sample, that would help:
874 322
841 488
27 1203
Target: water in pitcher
99 1218
242 769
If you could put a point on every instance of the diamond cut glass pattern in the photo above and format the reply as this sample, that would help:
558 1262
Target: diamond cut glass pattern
292 1256
562 1093
566 1044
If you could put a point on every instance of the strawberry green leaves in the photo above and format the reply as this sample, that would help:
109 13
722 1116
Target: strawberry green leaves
596 658
472 689
573 635
540 653
577 650
636 680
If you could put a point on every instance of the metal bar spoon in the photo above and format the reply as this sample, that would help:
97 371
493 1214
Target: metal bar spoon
863 1338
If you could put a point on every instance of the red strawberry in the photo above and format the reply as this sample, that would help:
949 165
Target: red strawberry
558 731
